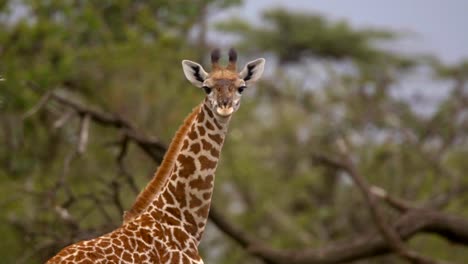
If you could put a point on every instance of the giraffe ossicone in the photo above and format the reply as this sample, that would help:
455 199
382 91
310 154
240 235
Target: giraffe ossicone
167 220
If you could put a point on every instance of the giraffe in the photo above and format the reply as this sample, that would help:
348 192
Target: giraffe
167 220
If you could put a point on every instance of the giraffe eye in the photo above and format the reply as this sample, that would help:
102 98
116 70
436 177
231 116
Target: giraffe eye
207 89
241 89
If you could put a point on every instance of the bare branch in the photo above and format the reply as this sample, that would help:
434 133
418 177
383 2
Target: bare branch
42 102
63 119
83 135
100 117
454 229
121 165
154 148
385 230
242 238
397 203
116 196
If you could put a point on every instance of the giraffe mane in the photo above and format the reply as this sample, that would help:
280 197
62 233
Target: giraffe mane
161 176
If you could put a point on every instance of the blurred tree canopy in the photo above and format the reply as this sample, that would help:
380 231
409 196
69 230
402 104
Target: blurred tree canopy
275 180
293 36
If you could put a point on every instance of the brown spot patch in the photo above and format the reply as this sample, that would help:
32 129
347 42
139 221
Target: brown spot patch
131 227
202 130
146 236
201 117
207 195
176 257
216 138
217 124
159 203
208 111
206 145
136 258
118 242
194 201
165 258
179 194
206 163
81 255
127 256
103 244
188 166
168 198
118 251
209 125
92 255
195 148
174 211
190 228
169 219
108 251
185 145
192 134
203 211
193 253
189 217
126 242
170 188
214 152
180 236
202 183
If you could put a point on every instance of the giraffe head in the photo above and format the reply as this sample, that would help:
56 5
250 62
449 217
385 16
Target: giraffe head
223 85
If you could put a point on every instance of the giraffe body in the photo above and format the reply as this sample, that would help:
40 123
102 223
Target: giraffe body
166 223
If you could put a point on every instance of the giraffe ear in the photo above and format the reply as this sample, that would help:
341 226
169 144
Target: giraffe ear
252 71
194 72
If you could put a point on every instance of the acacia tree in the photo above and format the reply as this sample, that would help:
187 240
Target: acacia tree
332 171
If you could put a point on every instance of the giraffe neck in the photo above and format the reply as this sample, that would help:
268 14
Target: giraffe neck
185 199
153 188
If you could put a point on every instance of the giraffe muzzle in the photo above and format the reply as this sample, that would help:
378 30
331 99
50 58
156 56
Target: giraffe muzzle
224 110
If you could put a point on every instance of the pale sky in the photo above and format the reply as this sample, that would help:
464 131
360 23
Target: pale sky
440 27
436 27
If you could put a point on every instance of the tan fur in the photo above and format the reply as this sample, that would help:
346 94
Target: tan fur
224 74
162 174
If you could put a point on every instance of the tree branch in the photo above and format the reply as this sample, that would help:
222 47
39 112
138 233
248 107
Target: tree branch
83 135
452 228
42 102
388 233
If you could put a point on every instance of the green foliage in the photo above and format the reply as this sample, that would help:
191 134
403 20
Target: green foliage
294 35
442 71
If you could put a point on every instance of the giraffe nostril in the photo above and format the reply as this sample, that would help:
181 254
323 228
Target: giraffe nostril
224 102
